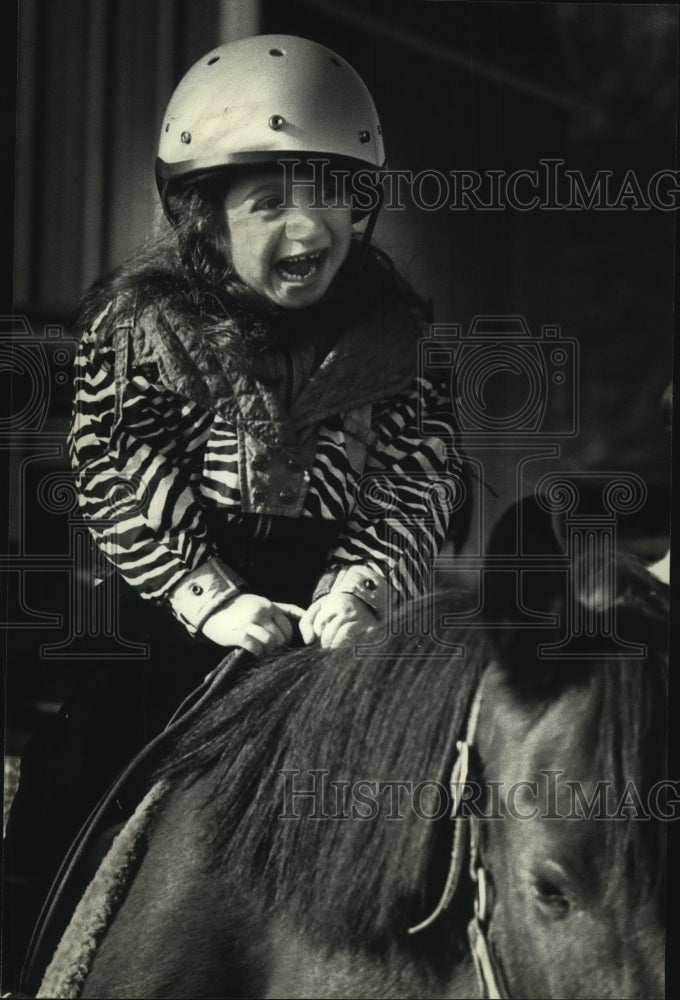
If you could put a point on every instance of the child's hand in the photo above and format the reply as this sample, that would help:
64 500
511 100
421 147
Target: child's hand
253 622
335 619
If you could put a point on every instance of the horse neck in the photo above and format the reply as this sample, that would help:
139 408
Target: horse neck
183 930
300 968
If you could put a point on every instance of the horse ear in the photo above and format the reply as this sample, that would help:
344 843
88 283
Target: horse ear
527 606
525 528
635 598
524 603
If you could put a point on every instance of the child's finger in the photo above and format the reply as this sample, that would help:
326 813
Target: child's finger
282 623
307 632
327 629
306 623
350 632
269 636
279 629
345 632
291 610
251 645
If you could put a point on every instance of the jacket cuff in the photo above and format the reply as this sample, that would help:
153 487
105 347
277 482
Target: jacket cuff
360 581
204 591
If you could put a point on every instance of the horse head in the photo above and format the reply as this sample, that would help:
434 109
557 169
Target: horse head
565 806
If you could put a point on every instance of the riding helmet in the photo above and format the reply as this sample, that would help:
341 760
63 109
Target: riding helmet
264 98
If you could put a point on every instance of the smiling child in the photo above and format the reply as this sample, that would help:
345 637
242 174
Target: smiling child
248 428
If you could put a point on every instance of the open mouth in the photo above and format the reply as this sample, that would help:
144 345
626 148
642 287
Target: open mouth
301 267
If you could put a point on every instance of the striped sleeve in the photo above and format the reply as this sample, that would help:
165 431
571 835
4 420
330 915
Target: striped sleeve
134 476
404 500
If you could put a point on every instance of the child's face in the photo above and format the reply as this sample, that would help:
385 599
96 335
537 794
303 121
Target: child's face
289 255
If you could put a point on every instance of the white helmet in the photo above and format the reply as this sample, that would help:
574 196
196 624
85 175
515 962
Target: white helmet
263 98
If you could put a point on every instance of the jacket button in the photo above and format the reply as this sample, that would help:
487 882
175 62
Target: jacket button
260 495
369 584
260 463
286 497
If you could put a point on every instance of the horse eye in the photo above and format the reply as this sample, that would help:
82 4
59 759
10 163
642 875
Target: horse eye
552 899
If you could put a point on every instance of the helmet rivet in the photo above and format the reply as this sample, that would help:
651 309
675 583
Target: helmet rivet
276 122
186 137
364 136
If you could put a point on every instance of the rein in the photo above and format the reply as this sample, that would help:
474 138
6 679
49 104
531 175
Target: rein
487 965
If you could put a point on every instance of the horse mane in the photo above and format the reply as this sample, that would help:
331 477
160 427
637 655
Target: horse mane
378 718
395 715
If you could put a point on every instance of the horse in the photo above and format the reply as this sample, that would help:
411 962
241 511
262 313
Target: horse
446 814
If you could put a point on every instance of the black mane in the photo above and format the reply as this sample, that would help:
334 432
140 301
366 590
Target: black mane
397 717
379 718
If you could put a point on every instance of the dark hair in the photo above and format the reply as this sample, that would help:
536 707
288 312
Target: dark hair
186 269
385 717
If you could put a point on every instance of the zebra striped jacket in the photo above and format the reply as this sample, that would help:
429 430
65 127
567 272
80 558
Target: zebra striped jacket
163 441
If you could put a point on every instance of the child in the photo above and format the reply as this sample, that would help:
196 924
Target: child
246 427
251 379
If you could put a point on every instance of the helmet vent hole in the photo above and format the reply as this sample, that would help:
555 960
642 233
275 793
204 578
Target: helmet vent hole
275 52
167 127
213 60
336 62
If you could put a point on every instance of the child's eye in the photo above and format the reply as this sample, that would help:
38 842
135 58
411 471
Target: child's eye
270 203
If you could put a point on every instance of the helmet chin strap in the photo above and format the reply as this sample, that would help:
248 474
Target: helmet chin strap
163 190
370 226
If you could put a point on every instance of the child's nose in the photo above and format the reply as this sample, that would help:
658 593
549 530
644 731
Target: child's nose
302 223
